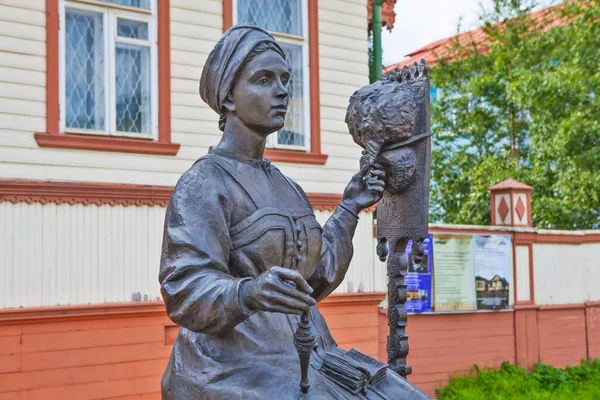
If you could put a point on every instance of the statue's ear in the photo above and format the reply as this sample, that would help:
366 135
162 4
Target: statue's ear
228 105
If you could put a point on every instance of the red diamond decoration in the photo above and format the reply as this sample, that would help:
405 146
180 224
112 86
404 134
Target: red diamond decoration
503 209
520 208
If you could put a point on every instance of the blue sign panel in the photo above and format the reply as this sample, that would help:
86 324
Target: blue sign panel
418 279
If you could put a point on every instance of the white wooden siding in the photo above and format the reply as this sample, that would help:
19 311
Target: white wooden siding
64 255
566 274
522 268
195 28
22 77
61 254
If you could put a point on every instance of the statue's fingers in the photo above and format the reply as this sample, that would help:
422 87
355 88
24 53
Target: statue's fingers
297 294
375 188
289 303
296 278
285 310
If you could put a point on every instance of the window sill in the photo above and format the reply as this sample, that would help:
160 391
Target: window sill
114 144
295 157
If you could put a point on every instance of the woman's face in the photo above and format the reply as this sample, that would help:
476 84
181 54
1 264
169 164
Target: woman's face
260 96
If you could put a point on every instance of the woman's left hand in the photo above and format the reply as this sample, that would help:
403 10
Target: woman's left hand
365 188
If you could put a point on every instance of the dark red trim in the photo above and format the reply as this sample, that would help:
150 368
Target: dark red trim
295 157
52 68
227 14
100 143
315 88
14 316
531 274
53 138
86 193
78 313
555 307
164 72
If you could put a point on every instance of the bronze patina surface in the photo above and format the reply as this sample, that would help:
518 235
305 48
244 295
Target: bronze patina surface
244 261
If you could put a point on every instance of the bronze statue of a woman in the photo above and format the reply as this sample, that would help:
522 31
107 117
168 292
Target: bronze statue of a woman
238 233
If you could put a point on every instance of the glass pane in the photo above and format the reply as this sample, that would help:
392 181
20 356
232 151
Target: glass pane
131 3
293 131
84 70
283 16
132 29
133 89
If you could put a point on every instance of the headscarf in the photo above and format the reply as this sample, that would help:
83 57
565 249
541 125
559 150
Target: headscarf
226 59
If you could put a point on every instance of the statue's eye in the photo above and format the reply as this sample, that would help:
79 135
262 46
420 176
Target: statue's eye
284 82
263 81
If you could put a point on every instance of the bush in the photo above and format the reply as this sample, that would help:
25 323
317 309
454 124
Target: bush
513 383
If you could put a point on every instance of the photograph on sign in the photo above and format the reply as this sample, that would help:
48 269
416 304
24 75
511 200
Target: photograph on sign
492 261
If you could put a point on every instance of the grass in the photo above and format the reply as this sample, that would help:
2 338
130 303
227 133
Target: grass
513 383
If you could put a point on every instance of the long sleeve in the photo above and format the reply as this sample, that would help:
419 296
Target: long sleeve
199 292
336 253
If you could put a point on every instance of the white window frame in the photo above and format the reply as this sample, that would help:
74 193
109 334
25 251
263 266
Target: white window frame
111 13
295 40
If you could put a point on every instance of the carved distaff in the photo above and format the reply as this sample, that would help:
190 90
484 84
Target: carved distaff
404 210
390 119
304 340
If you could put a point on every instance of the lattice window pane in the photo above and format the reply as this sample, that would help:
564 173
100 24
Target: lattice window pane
283 16
133 89
293 133
84 70
132 29
131 3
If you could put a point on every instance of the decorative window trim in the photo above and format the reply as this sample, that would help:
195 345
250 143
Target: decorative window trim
53 138
314 155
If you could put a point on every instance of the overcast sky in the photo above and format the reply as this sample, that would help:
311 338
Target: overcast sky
420 22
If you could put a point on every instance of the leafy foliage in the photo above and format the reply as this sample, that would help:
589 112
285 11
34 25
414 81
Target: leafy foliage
525 105
511 382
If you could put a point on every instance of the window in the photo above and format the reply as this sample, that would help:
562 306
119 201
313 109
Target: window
286 20
108 68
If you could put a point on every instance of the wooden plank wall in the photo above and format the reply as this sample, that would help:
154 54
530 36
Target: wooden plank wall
125 357
445 344
593 330
104 358
562 336
442 345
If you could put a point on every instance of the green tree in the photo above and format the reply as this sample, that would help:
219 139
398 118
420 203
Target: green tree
524 104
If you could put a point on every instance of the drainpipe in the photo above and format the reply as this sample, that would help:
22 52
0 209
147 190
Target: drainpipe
376 24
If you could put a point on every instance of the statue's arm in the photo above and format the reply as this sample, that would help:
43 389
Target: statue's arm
199 292
336 253
364 189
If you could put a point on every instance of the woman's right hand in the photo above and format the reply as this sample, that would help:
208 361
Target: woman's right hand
278 290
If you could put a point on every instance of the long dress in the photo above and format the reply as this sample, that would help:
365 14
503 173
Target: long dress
230 219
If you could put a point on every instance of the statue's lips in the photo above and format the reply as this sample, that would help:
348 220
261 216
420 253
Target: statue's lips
279 109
